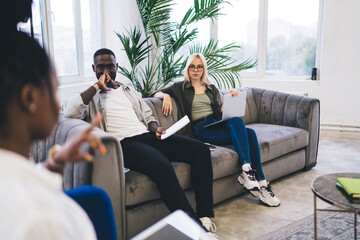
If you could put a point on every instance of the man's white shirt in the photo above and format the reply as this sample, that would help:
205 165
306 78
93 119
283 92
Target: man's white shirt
34 206
121 117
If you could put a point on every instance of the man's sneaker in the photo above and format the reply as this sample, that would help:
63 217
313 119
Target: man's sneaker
266 196
208 224
249 181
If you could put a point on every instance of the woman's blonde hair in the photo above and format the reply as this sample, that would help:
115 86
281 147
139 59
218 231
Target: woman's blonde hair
204 78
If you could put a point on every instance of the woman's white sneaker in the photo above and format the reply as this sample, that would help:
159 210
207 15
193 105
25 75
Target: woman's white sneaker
266 196
208 224
248 179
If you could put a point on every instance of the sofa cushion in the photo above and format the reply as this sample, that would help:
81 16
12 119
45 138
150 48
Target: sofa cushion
224 162
276 140
139 188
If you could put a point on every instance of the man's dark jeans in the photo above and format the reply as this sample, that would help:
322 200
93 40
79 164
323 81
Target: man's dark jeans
150 156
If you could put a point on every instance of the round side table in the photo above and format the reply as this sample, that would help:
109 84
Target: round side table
324 187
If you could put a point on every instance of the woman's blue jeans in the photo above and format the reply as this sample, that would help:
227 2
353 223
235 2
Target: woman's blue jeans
233 131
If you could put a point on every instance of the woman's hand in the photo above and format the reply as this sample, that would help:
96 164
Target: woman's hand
234 93
70 152
167 104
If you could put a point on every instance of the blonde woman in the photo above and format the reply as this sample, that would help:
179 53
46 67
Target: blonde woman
200 100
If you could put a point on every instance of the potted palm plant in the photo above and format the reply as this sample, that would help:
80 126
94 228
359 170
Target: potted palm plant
153 52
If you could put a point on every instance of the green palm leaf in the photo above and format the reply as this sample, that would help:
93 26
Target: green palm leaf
203 9
153 53
136 50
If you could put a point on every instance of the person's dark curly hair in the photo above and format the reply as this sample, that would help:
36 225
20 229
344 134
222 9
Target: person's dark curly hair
22 61
12 12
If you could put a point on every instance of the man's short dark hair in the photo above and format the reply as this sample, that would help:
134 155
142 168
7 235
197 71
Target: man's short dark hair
102 51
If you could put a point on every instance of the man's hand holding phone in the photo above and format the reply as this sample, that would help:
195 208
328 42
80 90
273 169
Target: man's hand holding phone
105 82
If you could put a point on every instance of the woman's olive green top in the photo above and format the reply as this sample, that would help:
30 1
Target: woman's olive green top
183 93
201 107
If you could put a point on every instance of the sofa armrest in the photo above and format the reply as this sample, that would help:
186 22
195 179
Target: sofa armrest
156 107
107 171
291 110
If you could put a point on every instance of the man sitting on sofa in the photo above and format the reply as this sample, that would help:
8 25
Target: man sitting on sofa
128 118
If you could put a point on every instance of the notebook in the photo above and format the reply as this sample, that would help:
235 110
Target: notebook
177 226
232 107
350 185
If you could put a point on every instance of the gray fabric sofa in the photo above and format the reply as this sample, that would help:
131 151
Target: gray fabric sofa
287 127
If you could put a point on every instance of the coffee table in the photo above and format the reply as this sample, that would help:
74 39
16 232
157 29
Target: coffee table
324 187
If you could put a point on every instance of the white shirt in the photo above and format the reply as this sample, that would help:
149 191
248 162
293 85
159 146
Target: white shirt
121 117
34 206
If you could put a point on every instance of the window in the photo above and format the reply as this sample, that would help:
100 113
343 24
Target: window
291 37
283 35
36 14
240 24
70 31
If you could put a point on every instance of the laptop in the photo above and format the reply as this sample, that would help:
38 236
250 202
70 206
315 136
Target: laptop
232 107
176 226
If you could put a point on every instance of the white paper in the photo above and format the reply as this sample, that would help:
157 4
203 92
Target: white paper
176 127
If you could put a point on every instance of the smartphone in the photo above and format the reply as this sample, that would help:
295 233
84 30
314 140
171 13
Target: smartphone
107 80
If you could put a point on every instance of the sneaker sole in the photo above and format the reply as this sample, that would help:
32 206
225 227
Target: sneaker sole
268 205
253 194
241 181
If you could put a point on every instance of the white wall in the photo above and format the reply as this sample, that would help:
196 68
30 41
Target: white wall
118 16
339 86
340 83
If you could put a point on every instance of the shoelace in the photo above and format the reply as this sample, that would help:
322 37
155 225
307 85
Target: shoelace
269 190
251 175
213 227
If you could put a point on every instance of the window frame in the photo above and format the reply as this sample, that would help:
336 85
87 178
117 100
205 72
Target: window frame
47 31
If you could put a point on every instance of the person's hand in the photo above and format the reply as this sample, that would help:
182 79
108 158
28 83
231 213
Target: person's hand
160 131
234 93
167 105
104 80
70 152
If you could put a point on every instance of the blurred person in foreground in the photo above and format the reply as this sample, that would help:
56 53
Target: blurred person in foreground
33 204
